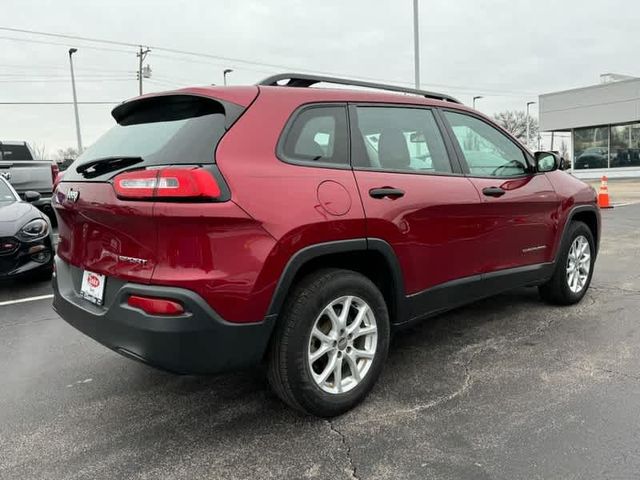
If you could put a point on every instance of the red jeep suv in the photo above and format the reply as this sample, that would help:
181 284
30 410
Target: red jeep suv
215 228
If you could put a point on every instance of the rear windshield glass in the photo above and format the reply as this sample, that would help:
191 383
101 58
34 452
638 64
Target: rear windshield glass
15 152
161 131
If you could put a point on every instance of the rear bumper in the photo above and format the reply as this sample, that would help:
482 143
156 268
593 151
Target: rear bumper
198 341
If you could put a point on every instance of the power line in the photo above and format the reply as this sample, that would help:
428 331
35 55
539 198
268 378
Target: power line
458 88
43 42
59 103
70 37
66 80
167 83
217 64
47 67
62 75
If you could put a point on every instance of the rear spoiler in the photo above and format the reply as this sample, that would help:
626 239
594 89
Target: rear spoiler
174 106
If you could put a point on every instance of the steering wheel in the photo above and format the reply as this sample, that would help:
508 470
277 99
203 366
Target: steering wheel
512 163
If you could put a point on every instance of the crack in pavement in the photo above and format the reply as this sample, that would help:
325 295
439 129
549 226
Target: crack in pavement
466 384
593 368
616 290
476 349
472 353
343 438
617 373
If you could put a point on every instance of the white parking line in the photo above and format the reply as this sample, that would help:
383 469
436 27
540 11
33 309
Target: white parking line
24 300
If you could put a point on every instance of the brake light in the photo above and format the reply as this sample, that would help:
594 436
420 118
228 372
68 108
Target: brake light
55 171
155 306
167 183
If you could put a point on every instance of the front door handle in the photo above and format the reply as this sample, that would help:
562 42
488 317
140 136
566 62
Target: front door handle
386 192
493 191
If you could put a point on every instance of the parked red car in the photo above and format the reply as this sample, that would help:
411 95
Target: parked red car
215 228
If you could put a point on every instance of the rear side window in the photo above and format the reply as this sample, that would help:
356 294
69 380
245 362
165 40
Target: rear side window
167 130
317 136
399 139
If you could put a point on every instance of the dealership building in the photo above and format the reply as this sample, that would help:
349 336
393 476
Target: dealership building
604 121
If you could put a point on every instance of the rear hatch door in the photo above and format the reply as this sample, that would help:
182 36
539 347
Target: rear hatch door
105 234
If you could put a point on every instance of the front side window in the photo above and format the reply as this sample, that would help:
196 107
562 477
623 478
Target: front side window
317 135
400 139
487 151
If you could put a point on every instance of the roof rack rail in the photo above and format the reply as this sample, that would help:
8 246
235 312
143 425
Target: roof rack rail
304 80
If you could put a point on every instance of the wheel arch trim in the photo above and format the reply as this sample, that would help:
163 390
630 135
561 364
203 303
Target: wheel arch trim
314 251
576 209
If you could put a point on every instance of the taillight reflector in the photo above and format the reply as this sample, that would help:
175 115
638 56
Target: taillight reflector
166 183
55 172
155 306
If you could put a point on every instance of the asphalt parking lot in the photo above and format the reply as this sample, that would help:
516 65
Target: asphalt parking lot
507 388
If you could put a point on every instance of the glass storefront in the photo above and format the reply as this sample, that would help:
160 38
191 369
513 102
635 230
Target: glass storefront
606 147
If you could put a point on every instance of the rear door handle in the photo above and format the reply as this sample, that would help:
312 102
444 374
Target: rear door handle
493 191
386 192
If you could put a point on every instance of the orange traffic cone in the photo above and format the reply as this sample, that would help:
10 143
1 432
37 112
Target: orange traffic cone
603 195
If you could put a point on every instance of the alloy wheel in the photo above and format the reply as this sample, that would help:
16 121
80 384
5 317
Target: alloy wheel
342 344
578 264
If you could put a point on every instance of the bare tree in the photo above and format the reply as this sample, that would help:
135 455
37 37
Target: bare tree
515 122
39 151
564 150
69 153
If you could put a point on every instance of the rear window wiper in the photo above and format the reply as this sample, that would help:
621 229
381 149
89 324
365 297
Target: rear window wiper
99 166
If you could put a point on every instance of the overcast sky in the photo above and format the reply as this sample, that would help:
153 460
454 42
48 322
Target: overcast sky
507 50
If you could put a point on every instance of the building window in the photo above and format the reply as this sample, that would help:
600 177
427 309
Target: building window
591 148
625 146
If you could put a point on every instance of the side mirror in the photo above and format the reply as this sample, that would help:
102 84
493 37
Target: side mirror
547 161
31 196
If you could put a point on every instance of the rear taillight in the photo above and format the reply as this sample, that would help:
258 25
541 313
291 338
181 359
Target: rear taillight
55 171
167 183
57 180
155 306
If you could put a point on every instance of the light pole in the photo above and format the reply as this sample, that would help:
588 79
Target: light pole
416 44
528 121
474 100
75 99
224 75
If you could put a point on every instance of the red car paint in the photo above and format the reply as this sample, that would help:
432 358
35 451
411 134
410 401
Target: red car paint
233 253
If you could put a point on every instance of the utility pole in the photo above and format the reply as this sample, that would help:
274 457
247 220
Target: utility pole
474 100
528 122
416 44
75 99
142 54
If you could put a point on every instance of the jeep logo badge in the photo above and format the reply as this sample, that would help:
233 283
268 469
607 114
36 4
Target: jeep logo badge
72 195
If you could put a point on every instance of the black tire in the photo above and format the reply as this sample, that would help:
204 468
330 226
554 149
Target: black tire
556 290
288 372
